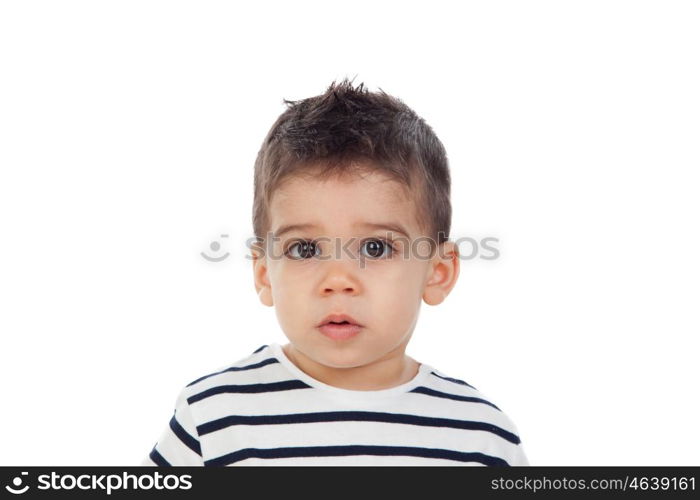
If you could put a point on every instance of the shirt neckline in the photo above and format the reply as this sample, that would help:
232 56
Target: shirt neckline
423 372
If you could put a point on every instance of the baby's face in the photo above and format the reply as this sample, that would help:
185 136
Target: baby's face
340 263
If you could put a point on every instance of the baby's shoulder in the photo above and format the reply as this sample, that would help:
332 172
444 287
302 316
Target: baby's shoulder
441 384
461 400
247 374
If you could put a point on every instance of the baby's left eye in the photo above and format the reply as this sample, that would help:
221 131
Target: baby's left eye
377 248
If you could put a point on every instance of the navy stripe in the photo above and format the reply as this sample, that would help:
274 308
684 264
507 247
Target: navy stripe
362 416
285 385
158 458
259 349
338 451
439 394
456 381
265 362
187 440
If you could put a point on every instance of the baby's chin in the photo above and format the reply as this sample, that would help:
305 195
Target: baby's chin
337 354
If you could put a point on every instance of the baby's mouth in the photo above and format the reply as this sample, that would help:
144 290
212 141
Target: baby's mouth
339 319
339 330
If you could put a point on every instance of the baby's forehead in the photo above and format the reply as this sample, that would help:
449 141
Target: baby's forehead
347 203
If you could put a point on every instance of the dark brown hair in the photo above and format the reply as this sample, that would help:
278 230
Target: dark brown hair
346 127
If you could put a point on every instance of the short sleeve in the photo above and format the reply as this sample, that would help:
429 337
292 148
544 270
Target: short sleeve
515 455
518 458
179 443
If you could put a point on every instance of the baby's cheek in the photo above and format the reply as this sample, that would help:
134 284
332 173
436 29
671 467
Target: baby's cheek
407 278
398 304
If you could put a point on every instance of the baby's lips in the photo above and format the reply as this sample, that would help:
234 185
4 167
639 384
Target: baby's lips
339 318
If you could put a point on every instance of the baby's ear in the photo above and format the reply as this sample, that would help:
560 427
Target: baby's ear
265 297
260 275
443 273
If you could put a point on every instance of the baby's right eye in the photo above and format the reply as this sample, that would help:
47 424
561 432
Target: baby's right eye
301 250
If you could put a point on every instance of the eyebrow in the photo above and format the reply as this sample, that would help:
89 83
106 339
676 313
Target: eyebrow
390 226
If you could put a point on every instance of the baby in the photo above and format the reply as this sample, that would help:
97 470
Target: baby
352 215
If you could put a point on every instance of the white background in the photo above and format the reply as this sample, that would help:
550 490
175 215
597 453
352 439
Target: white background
128 132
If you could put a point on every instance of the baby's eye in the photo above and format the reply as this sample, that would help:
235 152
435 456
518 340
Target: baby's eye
301 250
376 249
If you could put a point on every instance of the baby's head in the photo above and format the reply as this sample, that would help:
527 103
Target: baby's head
352 217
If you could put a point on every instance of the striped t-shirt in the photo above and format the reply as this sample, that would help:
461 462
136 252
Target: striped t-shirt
264 410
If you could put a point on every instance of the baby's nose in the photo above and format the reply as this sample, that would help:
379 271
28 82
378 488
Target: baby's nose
340 278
